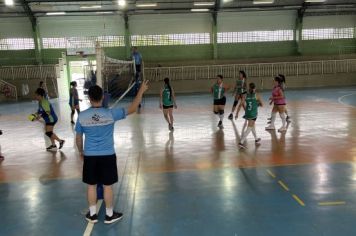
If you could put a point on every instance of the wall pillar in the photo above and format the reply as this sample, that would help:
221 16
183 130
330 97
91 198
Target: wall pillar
127 38
298 31
214 35
38 43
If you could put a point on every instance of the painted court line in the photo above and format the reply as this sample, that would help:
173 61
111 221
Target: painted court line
342 97
283 185
90 226
271 174
331 203
298 200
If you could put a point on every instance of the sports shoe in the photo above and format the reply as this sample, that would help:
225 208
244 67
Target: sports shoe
115 217
92 219
288 119
269 118
61 144
269 122
241 145
2 158
282 129
220 125
72 122
51 148
270 127
258 140
231 116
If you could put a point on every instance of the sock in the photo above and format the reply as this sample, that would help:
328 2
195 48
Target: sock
109 212
221 116
244 127
254 132
273 118
244 136
283 117
92 210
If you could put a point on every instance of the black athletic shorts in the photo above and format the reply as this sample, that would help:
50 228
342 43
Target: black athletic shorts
100 170
221 101
51 123
167 107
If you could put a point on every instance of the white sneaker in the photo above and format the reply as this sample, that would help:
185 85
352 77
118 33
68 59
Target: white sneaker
282 129
270 127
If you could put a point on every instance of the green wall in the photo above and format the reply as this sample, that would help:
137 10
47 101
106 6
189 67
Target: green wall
232 51
256 50
176 53
17 57
328 47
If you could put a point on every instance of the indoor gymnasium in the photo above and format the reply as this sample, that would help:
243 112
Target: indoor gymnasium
178 117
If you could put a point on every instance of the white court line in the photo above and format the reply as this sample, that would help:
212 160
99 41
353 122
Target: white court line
90 226
344 96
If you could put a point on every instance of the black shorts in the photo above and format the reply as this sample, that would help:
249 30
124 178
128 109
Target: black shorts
51 123
138 68
167 107
254 119
100 170
221 101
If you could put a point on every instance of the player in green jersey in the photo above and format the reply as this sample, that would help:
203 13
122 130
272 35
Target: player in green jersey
167 102
252 102
239 94
218 90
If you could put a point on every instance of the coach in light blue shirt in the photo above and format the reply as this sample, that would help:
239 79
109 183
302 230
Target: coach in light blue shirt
97 125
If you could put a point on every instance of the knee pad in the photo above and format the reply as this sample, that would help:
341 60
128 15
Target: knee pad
73 112
235 103
221 112
49 134
216 113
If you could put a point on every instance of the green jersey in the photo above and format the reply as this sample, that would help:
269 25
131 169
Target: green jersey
240 86
251 106
167 96
218 91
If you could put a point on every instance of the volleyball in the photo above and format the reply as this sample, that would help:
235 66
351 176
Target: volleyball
32 117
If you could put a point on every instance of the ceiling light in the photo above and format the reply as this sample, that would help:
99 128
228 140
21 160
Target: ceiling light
146 5
122 3
90 7
199 10
204 3
55 13
263 1
9 2
315 0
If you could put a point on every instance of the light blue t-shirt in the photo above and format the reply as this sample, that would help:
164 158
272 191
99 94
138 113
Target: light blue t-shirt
97 124
137 57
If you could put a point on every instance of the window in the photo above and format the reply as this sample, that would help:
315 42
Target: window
255 36
83 42
17 43
170 39
329 33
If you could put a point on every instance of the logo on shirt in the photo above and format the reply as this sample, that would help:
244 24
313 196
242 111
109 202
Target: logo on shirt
95 117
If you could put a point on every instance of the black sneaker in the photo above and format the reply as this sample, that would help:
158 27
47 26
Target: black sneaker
61 144
72 122
220 124
230 117
115 217
242 146
92 219
51 148
258 140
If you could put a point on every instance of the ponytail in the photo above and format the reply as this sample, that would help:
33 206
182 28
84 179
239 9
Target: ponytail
166 81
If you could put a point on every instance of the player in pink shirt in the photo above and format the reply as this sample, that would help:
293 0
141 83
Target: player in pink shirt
279 101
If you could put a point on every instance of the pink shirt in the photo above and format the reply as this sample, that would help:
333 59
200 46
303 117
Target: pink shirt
277 92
